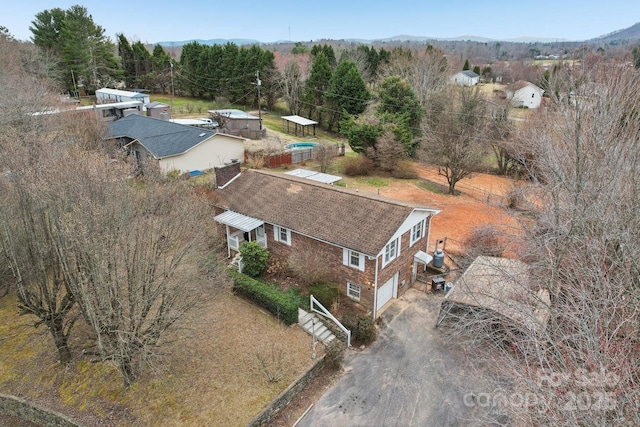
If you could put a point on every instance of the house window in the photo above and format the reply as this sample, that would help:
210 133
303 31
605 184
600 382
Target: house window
353 291
353 259
391 251
417 232
282 235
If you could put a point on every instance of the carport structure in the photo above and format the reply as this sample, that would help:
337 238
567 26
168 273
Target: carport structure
502 286
299 123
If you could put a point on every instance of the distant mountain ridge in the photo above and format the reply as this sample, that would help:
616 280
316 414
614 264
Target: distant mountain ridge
631 34
239 42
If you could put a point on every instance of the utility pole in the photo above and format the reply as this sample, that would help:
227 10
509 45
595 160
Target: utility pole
75 87
171 63
258 83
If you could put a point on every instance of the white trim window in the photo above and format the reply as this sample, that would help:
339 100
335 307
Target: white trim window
353 291
353 259
282 235
417 232
391 251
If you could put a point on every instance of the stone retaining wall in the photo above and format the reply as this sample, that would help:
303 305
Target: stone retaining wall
286 396
20 408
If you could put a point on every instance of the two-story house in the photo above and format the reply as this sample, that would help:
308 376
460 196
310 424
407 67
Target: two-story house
373 244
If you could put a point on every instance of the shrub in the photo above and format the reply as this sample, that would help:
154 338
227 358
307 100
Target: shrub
272 362
405 169
357 166
277 265
334 354
309 267
284 305
363 328
256 160
326 294
254 258
485 240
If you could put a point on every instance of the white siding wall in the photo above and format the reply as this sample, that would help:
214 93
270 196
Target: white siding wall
217 150
528 96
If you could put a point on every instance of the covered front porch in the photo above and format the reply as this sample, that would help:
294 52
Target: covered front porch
241 228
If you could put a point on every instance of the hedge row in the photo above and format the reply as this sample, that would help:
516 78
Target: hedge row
282 304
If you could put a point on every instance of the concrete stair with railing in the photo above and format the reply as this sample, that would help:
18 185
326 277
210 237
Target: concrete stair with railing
306 321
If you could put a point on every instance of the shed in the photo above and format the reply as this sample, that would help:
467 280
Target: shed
299 123
501 286
158 110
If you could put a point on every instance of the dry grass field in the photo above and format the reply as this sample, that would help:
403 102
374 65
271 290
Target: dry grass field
209 374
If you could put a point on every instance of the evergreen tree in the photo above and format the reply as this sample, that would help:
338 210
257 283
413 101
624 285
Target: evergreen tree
317 84
362 134
86 53
347 92
397 97
46 29
466 65
476 69
636 57
328 52
299 48
126 59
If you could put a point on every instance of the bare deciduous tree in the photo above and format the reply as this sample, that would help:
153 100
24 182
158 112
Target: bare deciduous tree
30 246
455 132
387 152
425 70
30 190
584 246
292 85
130 274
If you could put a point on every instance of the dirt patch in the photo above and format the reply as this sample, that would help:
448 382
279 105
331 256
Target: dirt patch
481 201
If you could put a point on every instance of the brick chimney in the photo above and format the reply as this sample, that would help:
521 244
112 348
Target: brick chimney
226 173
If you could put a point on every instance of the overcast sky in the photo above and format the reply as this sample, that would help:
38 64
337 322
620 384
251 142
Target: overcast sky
268 21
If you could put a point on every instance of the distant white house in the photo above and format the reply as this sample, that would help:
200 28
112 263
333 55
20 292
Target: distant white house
108 96
524 94
465 78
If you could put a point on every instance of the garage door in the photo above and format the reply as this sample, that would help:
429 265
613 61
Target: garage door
387 291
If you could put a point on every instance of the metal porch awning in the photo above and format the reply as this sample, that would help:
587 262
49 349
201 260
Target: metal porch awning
423 257
239 221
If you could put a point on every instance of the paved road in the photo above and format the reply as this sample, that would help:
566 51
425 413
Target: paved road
406 378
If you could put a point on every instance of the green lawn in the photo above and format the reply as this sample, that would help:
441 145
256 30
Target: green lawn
185 106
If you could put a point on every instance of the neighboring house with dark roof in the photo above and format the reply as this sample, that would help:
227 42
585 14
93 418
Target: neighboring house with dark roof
524 94
176 147
465 78
373 245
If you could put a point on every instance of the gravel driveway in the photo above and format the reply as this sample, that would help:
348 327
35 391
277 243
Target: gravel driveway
406 378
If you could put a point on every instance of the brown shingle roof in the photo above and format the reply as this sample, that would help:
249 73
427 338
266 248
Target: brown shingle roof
364 223
504 286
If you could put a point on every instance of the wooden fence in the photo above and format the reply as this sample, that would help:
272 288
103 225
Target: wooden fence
276 160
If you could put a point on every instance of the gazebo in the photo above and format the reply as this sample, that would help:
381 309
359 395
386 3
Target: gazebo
300 123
